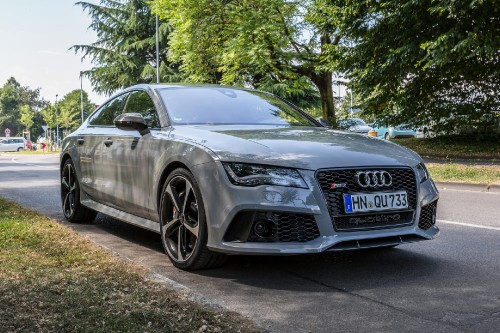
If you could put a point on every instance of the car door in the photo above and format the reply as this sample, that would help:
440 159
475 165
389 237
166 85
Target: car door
91 143
126 160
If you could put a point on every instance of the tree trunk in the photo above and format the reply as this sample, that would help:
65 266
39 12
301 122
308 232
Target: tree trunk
323 82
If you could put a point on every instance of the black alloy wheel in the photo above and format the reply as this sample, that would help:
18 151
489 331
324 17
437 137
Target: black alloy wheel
73 210
183 224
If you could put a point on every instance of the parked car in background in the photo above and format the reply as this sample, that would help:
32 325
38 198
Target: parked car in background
220 170
393 132
12 143
356 125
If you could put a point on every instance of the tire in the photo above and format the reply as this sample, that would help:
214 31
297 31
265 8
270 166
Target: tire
387 136
20 149
73 210
183 225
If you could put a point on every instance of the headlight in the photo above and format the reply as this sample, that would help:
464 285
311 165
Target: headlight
422 173
254 175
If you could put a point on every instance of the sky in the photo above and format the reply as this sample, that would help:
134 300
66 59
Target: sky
35 36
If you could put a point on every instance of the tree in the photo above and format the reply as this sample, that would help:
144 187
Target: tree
27 115
269 44
428 61
13 97
125 51
49 117
70 109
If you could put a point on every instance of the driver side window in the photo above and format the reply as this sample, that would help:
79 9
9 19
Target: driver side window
140 102
109 112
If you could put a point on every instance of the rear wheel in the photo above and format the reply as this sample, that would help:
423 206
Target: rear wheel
73 210
20 149
387 136
183 224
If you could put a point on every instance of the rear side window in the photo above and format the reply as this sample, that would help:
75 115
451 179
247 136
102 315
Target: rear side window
109 112
140 102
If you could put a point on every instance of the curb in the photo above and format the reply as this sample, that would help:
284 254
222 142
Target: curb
469 187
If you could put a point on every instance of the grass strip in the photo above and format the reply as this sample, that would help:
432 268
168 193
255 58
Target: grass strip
473 174
454 147
54 280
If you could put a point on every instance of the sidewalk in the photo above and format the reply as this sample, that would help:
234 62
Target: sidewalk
461 161
468 187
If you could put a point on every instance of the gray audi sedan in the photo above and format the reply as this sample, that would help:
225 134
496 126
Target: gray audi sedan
221 170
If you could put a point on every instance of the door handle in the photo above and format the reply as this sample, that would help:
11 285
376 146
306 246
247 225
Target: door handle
80 141
108 142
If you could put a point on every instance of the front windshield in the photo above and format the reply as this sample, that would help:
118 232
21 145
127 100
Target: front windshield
359 122
351 122
219 105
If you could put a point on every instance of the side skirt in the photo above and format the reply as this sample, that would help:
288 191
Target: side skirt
122 216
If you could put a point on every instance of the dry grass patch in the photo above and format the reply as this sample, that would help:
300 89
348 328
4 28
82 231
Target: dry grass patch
53 280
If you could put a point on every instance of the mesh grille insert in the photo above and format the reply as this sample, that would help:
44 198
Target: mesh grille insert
402 179
426 221
288 227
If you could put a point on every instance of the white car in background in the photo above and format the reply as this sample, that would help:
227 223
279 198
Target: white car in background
12 144
355 125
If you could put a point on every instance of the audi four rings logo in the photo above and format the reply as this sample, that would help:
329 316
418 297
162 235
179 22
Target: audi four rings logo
373 178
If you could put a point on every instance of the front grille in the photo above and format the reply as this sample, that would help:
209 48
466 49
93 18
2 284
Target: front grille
402 179
288 227
427 217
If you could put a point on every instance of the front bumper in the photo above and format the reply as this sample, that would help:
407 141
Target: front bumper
224 201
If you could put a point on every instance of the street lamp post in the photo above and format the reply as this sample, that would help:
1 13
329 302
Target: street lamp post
157 52
81 93
57 125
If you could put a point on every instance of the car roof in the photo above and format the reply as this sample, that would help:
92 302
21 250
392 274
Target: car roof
159 86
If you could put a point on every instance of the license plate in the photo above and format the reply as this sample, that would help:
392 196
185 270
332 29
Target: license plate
374 202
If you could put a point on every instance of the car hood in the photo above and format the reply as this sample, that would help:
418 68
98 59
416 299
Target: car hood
298 147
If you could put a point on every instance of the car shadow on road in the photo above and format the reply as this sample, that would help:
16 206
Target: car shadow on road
334 271
351 270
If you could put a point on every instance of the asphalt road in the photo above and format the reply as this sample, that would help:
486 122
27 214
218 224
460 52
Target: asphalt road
447 285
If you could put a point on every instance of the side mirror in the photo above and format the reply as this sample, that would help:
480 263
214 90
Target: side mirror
132 122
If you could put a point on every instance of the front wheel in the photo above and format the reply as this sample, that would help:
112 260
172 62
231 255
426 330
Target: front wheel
73 210
387 136
183 224
20 149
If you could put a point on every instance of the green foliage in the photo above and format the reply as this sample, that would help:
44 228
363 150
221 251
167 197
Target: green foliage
14 98
27 115
273 45
426 62
69 109
125 51
49 115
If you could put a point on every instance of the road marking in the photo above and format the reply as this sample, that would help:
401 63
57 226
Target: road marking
31 164
470 225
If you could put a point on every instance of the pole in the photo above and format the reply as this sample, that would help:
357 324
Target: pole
339 94
157 52
81 94
57 125
351 102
